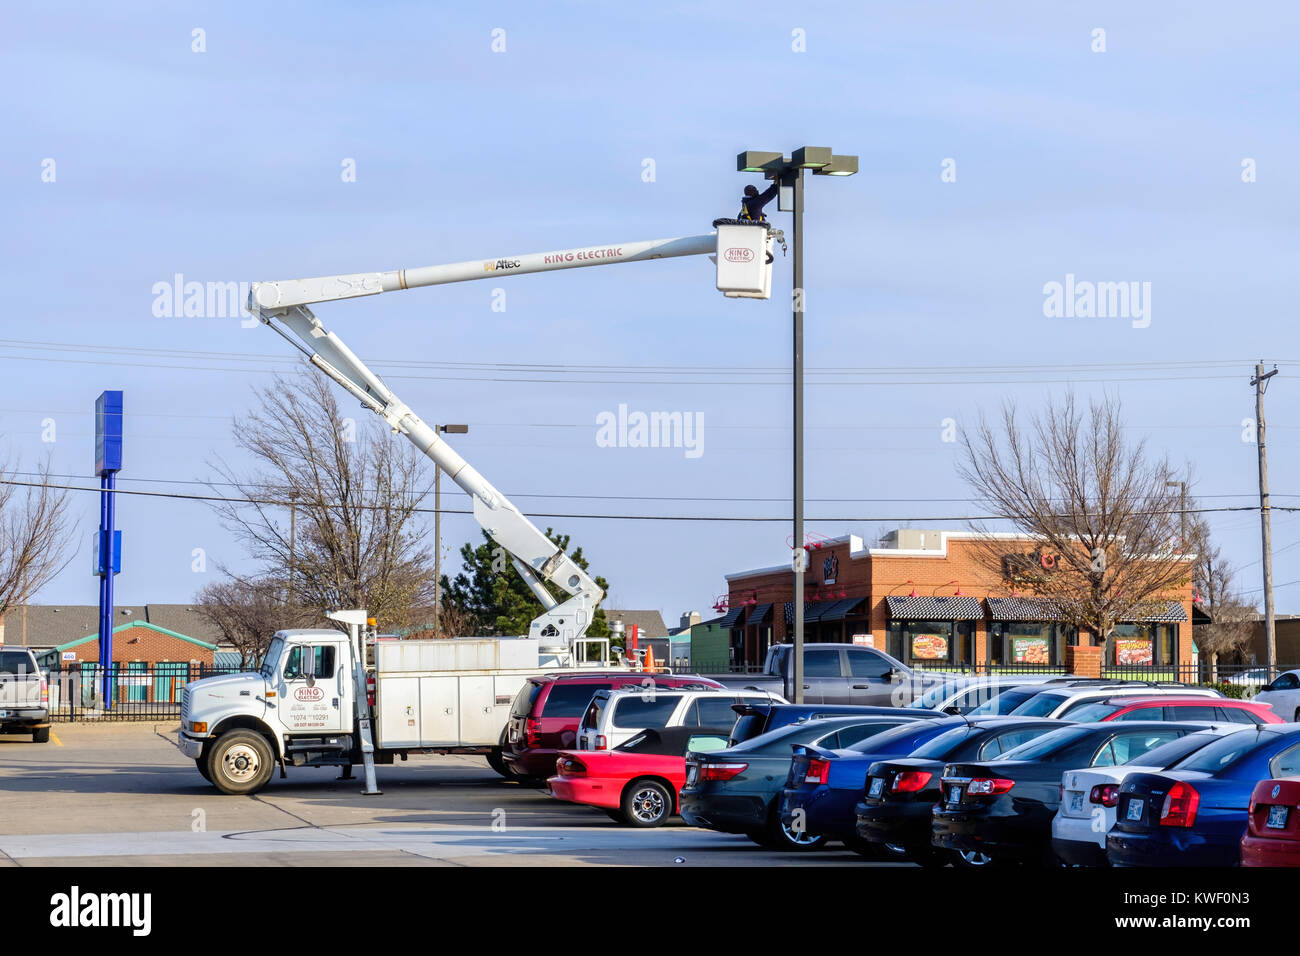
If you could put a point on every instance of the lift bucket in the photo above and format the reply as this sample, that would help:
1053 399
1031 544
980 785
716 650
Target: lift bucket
744 258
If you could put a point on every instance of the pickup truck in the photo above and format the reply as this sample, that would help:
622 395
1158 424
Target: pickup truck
24 696
837 674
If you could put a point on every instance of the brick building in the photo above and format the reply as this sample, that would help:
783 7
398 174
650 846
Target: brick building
926 598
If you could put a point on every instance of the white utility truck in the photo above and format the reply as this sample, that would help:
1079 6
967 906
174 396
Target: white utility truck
308 704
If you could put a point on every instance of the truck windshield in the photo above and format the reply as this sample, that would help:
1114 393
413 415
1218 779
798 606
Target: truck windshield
271 664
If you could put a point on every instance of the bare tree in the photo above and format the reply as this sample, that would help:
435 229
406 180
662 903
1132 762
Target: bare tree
1232 619
35 537
1105 516
249 612
360 538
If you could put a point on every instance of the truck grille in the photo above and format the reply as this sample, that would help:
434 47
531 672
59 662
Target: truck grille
185 704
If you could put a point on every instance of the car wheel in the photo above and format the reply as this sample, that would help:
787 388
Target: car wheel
782 837
240 762
647 803
931 858
41 735
970 859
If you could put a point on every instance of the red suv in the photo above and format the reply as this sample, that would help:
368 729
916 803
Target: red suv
1214 710
546 712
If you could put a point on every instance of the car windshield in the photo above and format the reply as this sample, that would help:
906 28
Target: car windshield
272 662
16 662
1092 712
943 745
1004 702
1040 705
1047 744
1226 750
937 694
773 737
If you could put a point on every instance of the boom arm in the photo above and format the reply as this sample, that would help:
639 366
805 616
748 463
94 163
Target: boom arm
283 305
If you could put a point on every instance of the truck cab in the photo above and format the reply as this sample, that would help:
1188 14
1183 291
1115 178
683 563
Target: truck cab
296 708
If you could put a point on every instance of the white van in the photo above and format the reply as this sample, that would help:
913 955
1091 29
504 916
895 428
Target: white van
614 716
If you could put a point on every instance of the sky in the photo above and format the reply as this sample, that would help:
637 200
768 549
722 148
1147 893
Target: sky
1003 147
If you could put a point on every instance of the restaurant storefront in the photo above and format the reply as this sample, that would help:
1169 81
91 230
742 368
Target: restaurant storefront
930 600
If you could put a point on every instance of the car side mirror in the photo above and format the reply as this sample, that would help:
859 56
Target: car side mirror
953 710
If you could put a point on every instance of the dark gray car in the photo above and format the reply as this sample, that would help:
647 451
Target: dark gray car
735 790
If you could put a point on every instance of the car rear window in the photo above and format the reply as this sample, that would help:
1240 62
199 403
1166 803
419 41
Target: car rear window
1004 703
1166 755
15 662
889 737
644 710
948 741
1226 750
1047 744
748 727
1240 715
569 700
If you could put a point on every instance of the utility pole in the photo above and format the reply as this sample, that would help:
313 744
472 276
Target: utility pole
1260 381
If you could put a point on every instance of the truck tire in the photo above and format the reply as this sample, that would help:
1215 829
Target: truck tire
41 735
647 803
496 763
202 764
240 762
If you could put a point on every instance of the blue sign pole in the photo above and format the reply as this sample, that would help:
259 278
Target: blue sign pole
108 462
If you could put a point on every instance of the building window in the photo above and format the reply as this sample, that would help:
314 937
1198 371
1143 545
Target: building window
1143 645
931 642
1029 643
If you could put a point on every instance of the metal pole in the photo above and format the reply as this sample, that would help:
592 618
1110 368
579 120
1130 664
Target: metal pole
798 303
1270 632
437 545
107 482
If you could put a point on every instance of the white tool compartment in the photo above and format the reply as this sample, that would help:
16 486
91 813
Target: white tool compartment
744 258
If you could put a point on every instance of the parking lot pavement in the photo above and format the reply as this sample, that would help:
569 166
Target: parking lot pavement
123 795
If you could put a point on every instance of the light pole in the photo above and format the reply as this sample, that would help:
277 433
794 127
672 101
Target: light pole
437 524
788 174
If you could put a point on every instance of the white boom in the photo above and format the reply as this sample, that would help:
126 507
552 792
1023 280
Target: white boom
535 556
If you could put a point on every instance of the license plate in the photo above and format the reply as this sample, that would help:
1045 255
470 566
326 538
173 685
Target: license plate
691 773
877 786
1135 809
1277 817
954 794
1076 801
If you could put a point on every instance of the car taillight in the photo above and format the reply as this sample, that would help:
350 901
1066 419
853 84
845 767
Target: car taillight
370 689
570 767
45 692
601 743
1106 794
818 771
1181 804
721 771
531 732
986 786
910 781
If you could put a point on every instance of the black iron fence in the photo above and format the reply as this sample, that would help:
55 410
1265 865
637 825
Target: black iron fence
135 692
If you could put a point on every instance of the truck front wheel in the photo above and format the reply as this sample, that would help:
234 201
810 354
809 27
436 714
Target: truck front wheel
240 762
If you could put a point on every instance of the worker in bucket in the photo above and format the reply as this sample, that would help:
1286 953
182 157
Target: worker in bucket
751 207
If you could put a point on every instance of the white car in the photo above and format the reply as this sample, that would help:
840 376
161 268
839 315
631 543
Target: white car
1089 797
1058 702
960 695
614 716
1283 694
1250 682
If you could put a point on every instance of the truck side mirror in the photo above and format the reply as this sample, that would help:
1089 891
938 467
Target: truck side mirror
309 665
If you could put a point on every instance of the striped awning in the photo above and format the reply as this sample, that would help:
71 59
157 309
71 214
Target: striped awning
732 618
758 614
842 609
1160 612
964 608
1022 609
812 611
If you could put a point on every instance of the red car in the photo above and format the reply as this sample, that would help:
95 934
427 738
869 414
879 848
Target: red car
637 782
546 712
1214 710
1272 836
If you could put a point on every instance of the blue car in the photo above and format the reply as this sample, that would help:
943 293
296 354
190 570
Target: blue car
1194 814
824 786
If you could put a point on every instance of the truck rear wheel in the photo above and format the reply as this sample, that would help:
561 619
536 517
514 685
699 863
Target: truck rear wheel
41 735
240 762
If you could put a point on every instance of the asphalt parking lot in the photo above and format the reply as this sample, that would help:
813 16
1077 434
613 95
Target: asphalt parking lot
123 795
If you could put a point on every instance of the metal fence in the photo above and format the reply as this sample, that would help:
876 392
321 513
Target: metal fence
136 692
971 669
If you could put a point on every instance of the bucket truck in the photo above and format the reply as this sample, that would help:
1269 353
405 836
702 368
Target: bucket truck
310 703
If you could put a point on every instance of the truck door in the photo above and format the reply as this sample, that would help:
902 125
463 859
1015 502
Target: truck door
822 681
313 691
869 681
